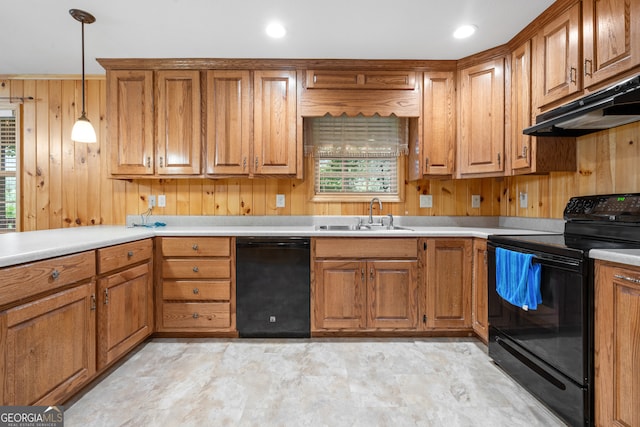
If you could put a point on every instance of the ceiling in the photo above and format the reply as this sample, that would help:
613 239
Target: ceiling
40 37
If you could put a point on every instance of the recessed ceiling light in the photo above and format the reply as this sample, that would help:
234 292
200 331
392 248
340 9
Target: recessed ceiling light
276 30
464 31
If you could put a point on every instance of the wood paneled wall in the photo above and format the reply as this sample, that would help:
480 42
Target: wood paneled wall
65 184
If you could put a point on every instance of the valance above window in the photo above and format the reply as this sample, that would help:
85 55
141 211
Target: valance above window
358 136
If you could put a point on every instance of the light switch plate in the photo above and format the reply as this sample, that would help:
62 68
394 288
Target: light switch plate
162 201
152 201
426 201
475 201
524 200
279 200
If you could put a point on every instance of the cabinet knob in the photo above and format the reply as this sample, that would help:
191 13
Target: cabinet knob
196 315
194 247
196 291
130 254
195 269
55 274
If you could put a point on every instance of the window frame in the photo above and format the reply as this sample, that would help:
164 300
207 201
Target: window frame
17 108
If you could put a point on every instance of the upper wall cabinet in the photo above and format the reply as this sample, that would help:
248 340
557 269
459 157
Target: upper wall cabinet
130 112
481 119
178 149
130 120
433 136
228 122
611 38
275 148
558 43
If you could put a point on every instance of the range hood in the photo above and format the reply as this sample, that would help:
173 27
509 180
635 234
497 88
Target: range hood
614 106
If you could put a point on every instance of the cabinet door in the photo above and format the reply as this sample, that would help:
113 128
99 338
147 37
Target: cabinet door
521 107
611 38
438 122
274 123
130 118
479 293
339 295
448 283
481 142
228 122
392 289
48 347
617 346
178 123
125 316
558 50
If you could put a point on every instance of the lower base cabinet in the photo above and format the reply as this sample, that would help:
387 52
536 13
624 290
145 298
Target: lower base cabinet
447 275
617 345
350 293
48 347
479 292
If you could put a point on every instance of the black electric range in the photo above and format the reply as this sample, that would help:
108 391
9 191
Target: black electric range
549 350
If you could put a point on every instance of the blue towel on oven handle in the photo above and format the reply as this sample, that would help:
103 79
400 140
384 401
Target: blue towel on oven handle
518 278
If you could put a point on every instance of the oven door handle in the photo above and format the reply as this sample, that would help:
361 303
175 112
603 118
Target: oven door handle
570 265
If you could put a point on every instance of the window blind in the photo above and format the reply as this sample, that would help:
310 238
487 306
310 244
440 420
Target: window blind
358 136
8 172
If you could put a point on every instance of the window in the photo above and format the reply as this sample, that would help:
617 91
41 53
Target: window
356 156
8 169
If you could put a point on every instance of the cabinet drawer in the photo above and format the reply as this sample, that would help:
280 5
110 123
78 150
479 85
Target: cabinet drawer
340 79
358 247
116 257
196 268
196 315
196 246
23 281
196 290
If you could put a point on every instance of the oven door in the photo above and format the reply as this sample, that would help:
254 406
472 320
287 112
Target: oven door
557 331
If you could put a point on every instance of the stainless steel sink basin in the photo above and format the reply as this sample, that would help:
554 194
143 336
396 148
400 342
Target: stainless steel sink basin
361 227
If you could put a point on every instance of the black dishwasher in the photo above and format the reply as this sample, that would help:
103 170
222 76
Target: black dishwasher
272 287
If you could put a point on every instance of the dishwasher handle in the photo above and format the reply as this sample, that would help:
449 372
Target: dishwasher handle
287 242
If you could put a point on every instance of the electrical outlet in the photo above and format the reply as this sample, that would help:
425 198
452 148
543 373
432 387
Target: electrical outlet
279 200
426 201
162 201
152 201
524 200
475 201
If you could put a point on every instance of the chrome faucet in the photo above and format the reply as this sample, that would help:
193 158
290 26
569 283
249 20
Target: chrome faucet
371 208
390 226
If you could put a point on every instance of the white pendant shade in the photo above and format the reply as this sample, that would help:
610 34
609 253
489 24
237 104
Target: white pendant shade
83 131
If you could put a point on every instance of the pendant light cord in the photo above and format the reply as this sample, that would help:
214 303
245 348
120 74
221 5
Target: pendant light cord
83 112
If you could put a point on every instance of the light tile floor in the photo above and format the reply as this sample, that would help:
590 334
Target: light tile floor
310 382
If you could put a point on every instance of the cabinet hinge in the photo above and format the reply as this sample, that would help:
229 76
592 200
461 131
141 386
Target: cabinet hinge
106 296
425 246
93 302
424 318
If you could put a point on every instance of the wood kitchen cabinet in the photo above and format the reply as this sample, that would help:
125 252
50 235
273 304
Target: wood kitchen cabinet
48 341
610 38
617 344
142 104
559 71
124 298
229 114
364 79
362 284
531 154
178 128
481 120
432 144
275 134
479 293
131 123
196 292
447 267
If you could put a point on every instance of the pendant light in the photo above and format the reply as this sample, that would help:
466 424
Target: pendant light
83 130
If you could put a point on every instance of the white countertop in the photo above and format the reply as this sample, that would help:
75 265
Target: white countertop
18 248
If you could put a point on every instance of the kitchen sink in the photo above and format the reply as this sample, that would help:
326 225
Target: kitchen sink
361 227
